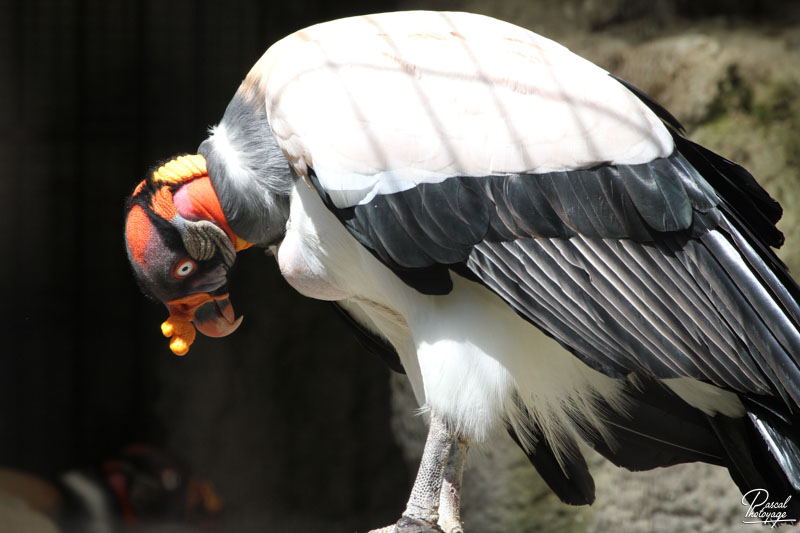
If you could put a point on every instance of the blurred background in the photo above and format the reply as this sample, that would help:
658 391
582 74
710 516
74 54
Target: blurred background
288 425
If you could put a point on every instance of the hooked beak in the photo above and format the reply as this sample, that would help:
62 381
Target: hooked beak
212 314
216 318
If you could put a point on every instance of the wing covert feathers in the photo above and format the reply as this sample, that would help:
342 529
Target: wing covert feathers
441 222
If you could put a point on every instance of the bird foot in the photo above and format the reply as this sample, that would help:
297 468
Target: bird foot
407 524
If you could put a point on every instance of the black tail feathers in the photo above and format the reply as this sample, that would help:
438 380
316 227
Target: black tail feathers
761 449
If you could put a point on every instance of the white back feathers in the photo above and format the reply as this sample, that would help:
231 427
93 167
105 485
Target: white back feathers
467 95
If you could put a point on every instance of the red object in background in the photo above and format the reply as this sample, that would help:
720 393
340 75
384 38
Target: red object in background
148 485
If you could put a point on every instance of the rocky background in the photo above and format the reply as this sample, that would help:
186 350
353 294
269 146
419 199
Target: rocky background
297 428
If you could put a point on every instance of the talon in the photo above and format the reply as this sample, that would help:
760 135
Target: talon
406 524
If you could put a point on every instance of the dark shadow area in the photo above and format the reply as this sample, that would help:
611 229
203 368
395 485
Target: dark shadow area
289 418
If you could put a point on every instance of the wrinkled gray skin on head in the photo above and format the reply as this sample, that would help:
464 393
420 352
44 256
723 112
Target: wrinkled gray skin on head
163 252
249 172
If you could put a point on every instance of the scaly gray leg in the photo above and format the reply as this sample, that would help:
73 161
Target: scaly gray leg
422 510
450 497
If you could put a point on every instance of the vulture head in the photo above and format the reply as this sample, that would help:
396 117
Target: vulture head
181 248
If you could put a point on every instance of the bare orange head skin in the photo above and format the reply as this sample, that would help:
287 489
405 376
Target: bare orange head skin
161 215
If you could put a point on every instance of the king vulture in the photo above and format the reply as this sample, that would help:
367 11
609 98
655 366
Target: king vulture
533 241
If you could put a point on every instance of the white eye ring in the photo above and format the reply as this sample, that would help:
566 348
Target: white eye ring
184 268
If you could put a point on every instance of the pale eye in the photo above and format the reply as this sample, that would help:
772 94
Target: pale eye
184 268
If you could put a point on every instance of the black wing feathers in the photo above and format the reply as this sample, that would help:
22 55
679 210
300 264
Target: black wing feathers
761 452
371 342
569 479
440 223
659 198
659 429
411 233
741 192
781 440
522 209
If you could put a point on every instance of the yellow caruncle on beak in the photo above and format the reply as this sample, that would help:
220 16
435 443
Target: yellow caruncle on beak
182 333
219 321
